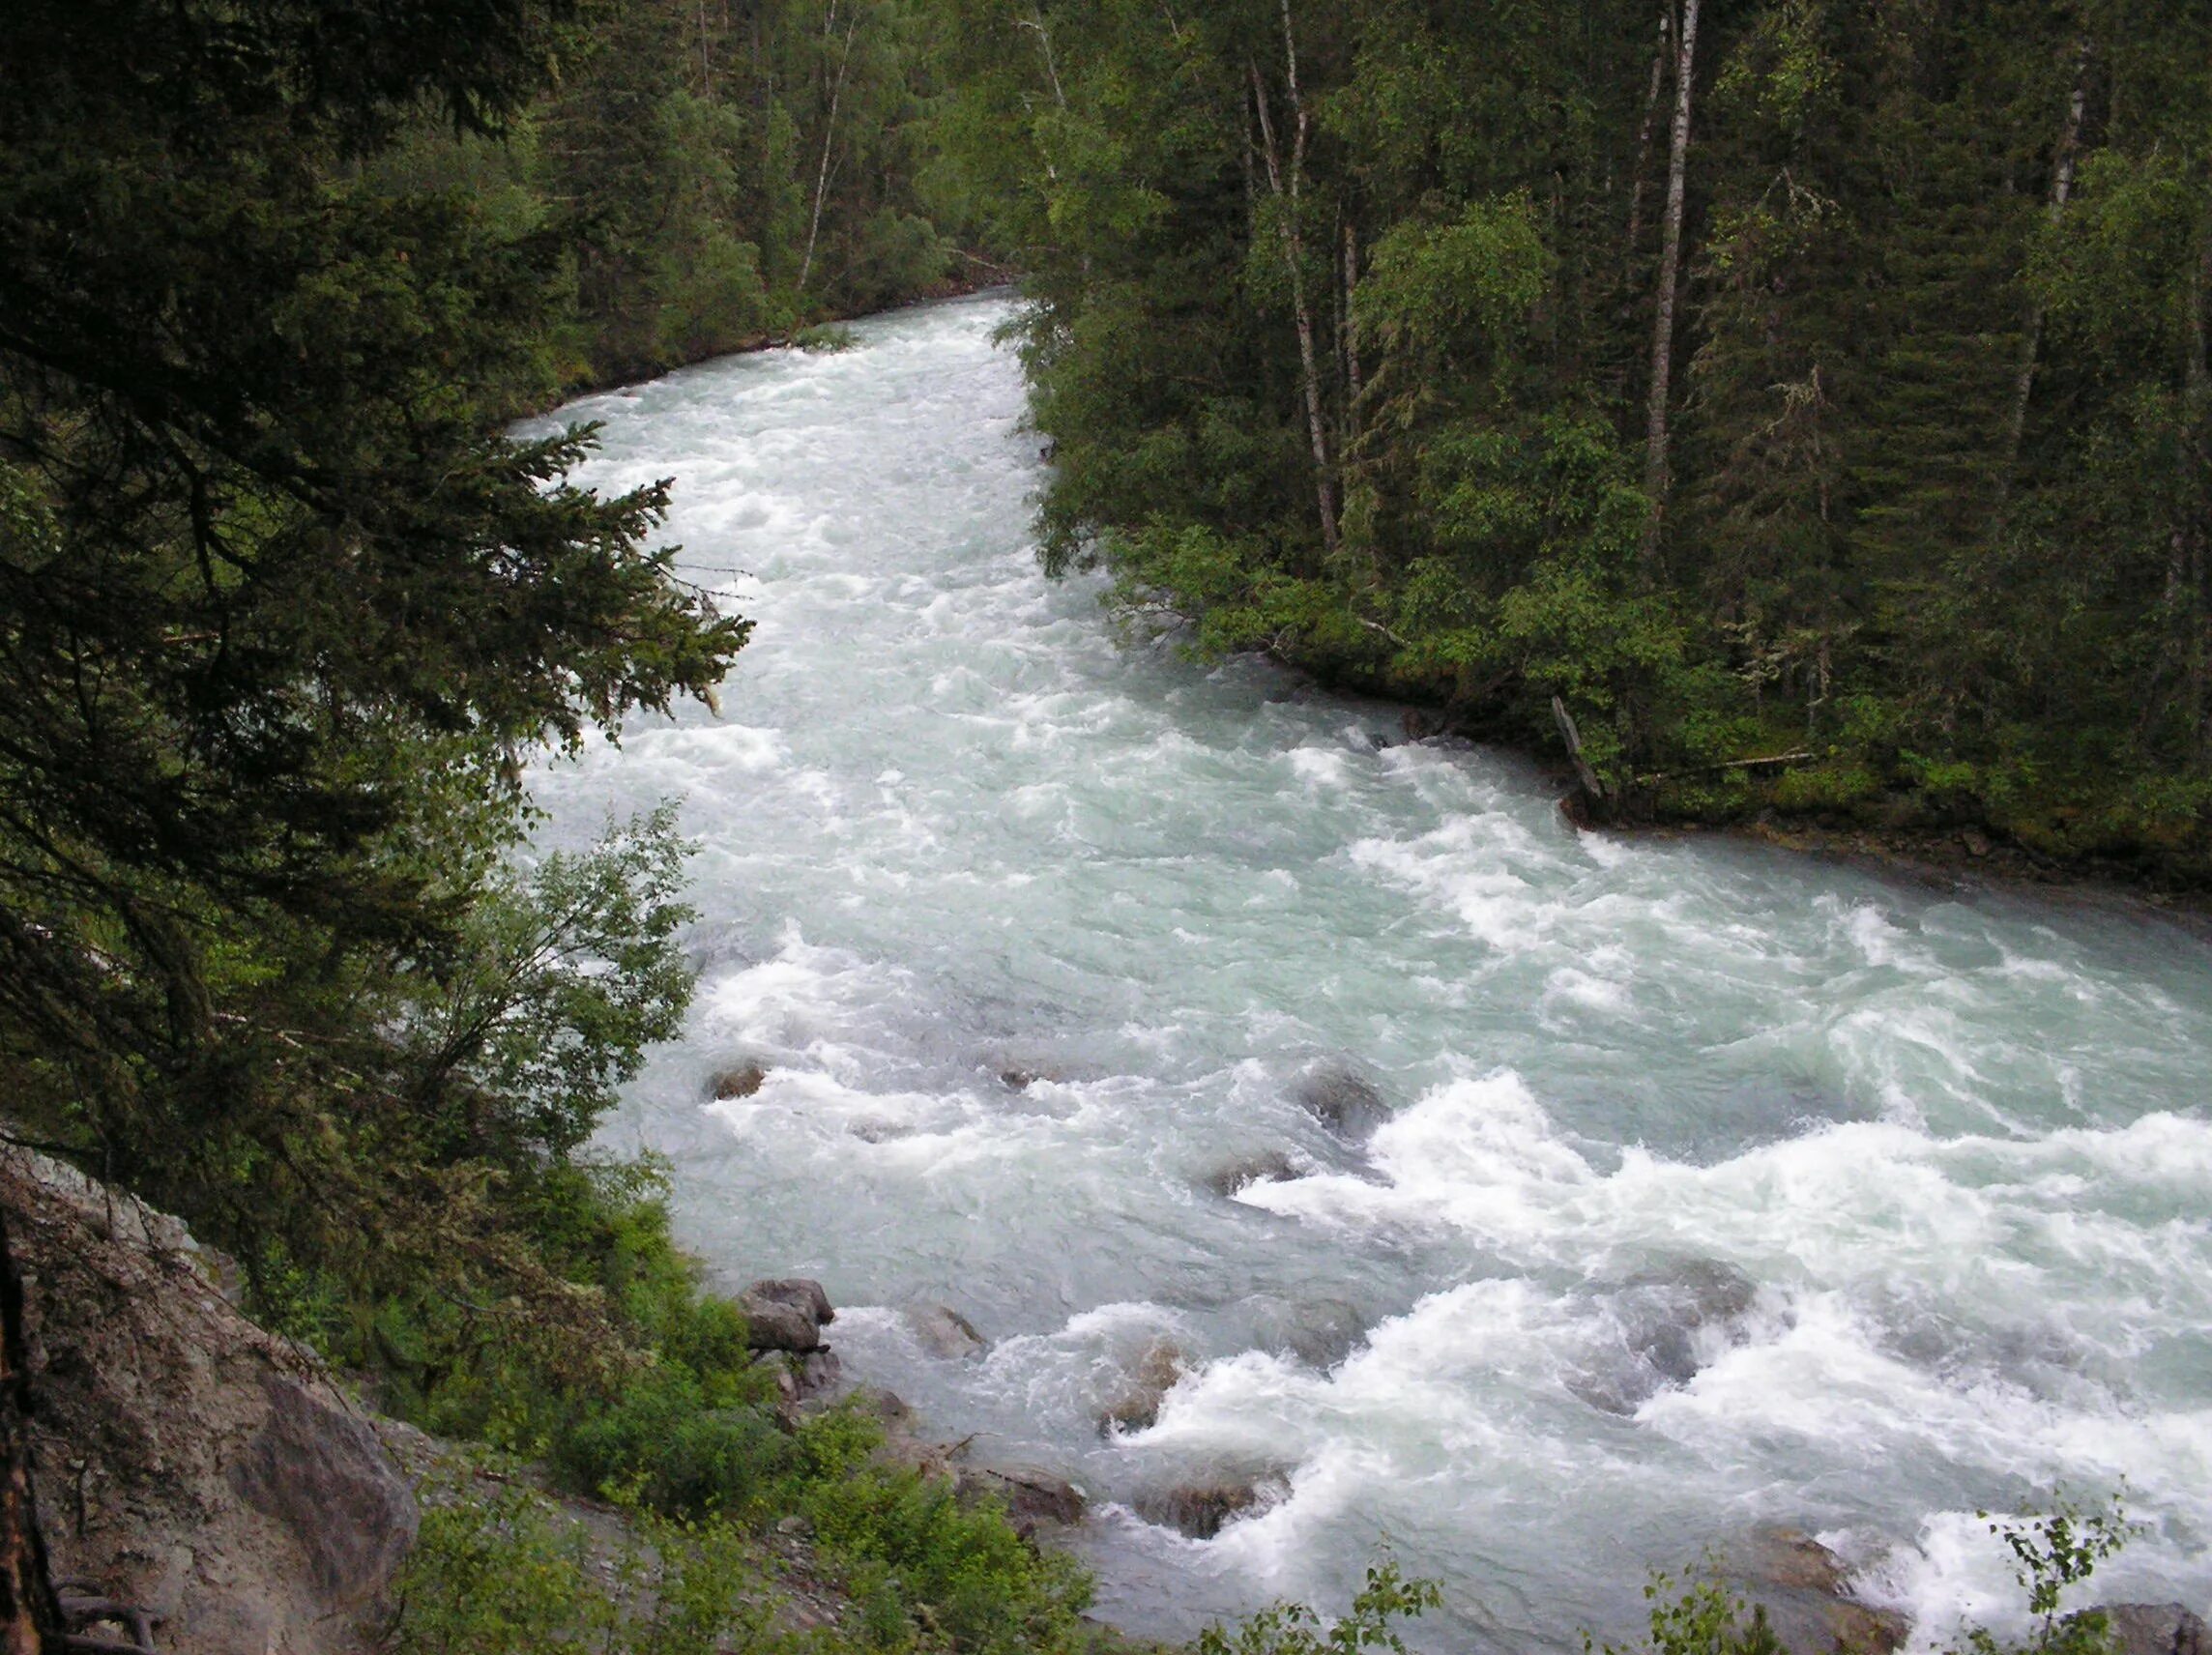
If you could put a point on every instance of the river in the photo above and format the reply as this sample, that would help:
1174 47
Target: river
1719 1187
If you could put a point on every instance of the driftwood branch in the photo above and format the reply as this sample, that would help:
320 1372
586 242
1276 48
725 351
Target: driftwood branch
1727 764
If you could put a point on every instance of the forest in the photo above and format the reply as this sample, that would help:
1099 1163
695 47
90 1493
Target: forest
1807 405
1815 383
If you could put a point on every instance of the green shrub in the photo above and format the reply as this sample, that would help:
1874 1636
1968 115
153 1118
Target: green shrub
826 336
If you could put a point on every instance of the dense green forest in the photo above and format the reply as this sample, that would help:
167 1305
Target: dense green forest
1758 377
1742 379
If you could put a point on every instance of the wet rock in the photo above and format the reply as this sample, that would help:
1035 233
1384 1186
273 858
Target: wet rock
1806 1595
1033 1498
1341 1100
1669 1324
1663 1312
1202 1509
1976 842
2154 1628
1320 1332
743 1080
1267 1167
785 1314
1135 1404
944 1332
1417 725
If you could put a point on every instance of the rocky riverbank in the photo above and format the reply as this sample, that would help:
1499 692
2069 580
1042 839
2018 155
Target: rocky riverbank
207 1487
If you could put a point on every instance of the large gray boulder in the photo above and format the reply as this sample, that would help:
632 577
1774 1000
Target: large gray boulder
187 1461
785 1312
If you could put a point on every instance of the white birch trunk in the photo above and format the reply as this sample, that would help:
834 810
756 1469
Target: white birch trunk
1670 272
829 137
1287 182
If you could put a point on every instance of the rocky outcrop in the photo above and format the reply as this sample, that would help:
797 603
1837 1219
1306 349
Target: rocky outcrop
944 1332
1806 1595
785 1312
187 1461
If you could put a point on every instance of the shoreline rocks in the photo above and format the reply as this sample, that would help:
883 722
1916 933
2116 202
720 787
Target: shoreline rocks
786 1312
1807 1596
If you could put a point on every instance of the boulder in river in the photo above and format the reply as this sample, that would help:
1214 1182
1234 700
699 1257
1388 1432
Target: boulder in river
1264 1167
1202 1509
1806 1593
741 1080
1341 1099
944 1332
1320 1332
1668 1322
785 1312
1135 1402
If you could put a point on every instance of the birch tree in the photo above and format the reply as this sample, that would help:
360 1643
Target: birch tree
1670 270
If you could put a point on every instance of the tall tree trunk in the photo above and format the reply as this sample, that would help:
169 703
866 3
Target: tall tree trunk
828 137
2061 187
2194 454
1286 181
1670 270
1644 141
1353 380
30 1617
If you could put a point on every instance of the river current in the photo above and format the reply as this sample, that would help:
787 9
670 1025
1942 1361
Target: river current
1718 1186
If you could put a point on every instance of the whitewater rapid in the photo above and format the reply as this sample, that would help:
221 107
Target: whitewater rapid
1034 935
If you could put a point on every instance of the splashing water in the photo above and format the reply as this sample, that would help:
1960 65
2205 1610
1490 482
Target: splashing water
1718 1186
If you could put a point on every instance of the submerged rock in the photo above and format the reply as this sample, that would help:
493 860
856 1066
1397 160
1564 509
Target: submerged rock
742 1081
785 1314
1265 1167
1345 1102
1669 1324
1806 1593
1320 1332
1202 1509
1136 1403
944 1332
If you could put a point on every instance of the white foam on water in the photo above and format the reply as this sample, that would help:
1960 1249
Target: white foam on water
1719 1187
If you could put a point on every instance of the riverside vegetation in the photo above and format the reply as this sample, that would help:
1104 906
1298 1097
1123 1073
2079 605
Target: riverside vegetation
1336 331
